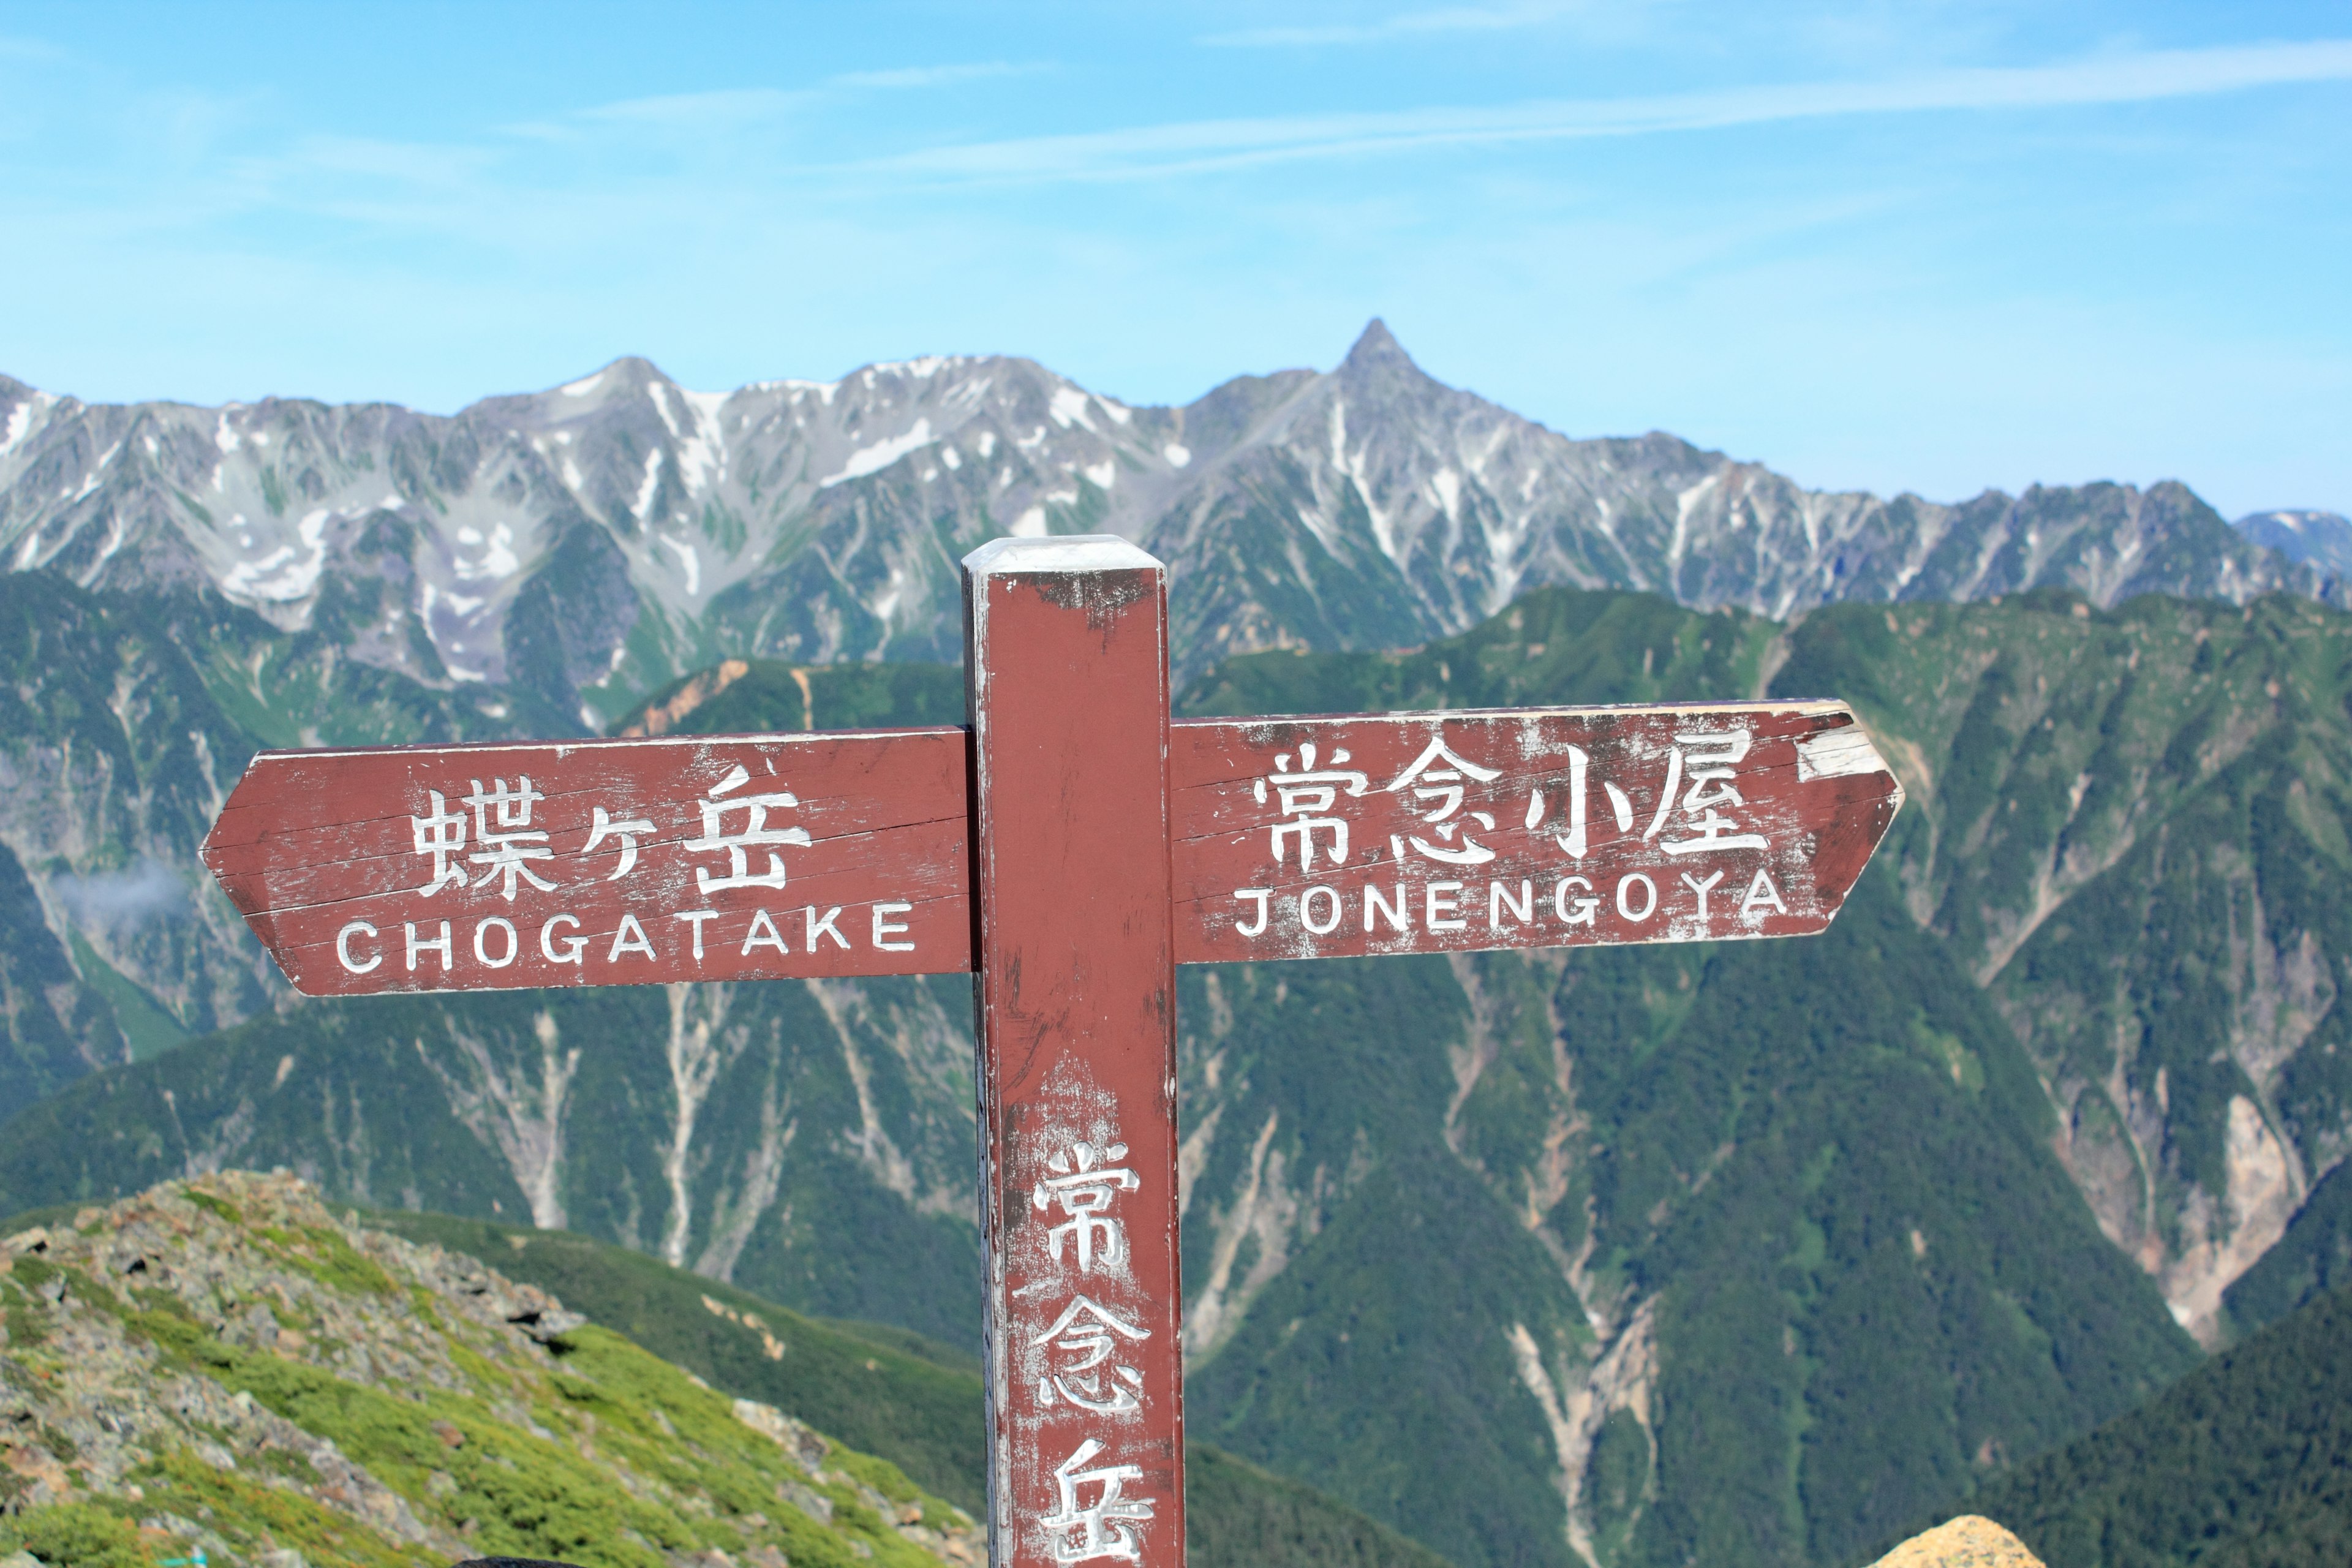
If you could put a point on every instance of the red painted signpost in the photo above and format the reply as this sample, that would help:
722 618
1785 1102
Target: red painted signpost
1069 848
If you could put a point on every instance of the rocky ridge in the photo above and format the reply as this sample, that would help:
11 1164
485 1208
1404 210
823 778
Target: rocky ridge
223 1365
592 542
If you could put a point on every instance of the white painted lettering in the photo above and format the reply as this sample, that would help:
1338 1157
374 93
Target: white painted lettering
1264 897
1715 759
1587 906
1306 910
630 938
1702 888
482 949
755 834
763 933
1440 905
1649 896
1574 839
343 947
1304 796
1083 1531
575 945
885 927
1620 806
1762 892
1666 795
1498 898
602 826
439 944
1393 913
695 919
824 927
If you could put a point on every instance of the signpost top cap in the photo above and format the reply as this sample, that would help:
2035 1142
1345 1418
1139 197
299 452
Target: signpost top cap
1070 552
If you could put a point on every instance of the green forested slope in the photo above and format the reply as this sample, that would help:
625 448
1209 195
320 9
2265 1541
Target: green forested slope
2245 1462
1804 1170
124 720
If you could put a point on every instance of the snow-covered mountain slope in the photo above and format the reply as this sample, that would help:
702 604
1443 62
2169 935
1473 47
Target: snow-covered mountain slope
591 543
2324 539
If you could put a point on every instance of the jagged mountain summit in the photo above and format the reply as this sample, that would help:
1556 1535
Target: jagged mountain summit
594 542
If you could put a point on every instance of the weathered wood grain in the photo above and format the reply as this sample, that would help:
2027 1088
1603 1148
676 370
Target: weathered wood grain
1077 1052
1528 828
320 852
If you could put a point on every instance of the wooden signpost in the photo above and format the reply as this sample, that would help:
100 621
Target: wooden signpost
1069 848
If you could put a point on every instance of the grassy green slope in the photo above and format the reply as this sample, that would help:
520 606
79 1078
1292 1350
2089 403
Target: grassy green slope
850 1381
913 1402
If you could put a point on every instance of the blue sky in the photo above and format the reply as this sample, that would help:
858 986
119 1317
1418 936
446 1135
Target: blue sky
1888 246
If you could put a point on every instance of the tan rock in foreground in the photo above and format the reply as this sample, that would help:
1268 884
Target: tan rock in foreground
1967 1541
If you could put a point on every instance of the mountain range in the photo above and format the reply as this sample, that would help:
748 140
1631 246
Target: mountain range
1749 1255
597 540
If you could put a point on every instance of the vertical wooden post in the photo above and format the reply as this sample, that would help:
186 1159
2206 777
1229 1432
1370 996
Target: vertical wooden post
1066 667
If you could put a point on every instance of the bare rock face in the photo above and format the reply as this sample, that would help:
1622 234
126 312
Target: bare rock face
1967 1541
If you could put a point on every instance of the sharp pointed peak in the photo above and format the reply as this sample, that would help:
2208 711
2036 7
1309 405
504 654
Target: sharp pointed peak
636 370
1376 348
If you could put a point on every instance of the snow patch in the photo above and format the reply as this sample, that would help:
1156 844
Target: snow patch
1177 455
20 419
288 572
987 445
952 457
1102 475
1069 409
882 454
702 459
223 438
661 407
1030 524
1448 486
688 562
499 559
89 481
583 388
653 482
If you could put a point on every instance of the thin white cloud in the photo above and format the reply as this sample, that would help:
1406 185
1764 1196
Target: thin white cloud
18 48
1403 24
732 108
1203 145
933 75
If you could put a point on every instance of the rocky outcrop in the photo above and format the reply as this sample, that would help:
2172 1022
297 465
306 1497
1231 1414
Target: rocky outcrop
1967 1541
223 1367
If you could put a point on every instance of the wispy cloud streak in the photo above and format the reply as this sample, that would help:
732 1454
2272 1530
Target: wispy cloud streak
1205 145
1403 24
